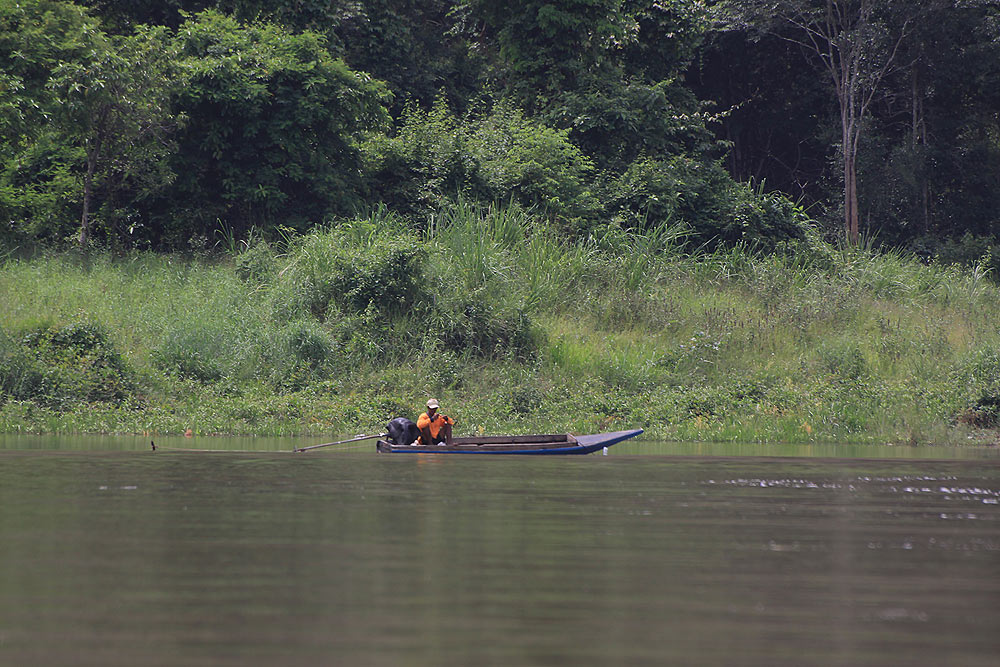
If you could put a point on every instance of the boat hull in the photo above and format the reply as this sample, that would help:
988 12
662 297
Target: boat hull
534 445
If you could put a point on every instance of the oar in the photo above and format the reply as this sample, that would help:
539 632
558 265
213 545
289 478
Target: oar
340 442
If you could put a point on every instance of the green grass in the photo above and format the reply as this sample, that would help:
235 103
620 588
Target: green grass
515 330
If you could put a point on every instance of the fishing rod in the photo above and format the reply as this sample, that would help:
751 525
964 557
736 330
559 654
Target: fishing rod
157 448
358 438
340 442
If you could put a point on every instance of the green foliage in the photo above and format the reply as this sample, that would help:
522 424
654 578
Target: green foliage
414 46
844 360
561 237
640 254
39 186
604 71
979 378
21 376
468 324
498 156
40 194
518 157
193 352
267 117
735 345
257 263
381 292
297 355
115 106
356 265
649 193
423 162
36 37
652 193
614 122
968 250
52 364
767 220
506 254
927 122
545 47
273 130
666 37
307 342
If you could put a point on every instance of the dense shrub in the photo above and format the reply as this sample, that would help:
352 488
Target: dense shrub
354 266
297 354
980 375
21 376
307 342
615 123
701 195
273 125
466 324
53 364
193 352
764 220
522 159
968 250
39 194
500 155
425 160
257 263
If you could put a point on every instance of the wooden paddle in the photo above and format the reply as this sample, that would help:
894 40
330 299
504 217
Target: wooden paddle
340 442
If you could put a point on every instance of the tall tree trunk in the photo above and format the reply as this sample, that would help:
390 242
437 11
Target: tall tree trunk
88 190
838 32
919 139
851 212
849 145
88 178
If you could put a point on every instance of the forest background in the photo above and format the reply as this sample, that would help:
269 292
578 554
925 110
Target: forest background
742 220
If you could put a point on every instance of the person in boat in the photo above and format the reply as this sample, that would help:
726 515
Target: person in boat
434 427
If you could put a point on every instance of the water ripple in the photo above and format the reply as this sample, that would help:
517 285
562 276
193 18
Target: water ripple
944 487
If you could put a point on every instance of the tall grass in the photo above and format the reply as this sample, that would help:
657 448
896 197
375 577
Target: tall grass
509 254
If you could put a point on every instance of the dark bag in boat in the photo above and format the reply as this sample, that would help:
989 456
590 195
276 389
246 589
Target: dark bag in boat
402 431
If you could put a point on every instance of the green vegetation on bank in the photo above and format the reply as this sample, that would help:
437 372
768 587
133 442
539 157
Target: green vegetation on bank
554 216
514 327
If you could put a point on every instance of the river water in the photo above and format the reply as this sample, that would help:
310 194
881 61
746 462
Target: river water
657 554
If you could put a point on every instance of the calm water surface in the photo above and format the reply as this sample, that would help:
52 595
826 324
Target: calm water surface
111 554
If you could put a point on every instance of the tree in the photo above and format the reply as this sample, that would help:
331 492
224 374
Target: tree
605 70
411 46
543 48
37 182
116 106
498 156
933 163
408 44
857 44
35 36
273 130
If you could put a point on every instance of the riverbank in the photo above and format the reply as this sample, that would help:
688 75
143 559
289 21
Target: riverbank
511 329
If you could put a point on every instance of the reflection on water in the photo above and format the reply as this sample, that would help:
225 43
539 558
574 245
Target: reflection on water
133 557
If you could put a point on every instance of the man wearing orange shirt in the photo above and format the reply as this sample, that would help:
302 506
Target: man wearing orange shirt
434 428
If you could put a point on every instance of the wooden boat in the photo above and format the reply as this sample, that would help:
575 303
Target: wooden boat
556 444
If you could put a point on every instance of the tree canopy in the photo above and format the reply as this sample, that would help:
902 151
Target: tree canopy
165 125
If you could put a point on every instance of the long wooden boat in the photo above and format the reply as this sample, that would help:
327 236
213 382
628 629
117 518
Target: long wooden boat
556 444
